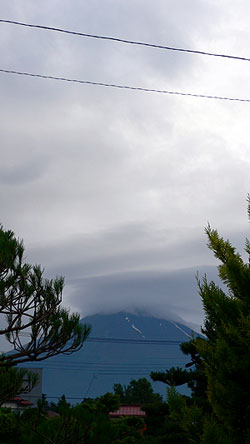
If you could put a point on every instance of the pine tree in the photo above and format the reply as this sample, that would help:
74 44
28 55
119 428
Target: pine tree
220 363
138 391
37 327
226 352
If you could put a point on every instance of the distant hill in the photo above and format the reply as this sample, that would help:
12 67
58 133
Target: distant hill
101 362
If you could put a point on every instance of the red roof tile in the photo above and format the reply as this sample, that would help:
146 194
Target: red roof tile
21 401
25 402
128 410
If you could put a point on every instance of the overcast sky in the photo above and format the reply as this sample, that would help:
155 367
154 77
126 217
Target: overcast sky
112 188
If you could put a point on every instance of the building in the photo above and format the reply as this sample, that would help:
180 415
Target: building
36 393
128 410
26 400
17 403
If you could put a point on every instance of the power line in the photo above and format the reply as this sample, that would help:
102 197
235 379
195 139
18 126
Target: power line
109 372
132 341
122 340
25 396
106 370
107 367
85 363
120 40
103 365
133 88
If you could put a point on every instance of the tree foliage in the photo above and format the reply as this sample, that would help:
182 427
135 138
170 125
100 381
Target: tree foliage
226 352
14 381
138 391
85 423
37 327
8 426
173 377
219 408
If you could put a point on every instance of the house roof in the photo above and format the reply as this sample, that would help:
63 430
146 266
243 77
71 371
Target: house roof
20 401
128 410
26 402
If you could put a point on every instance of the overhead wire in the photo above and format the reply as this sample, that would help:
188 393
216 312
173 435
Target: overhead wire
127 87
120 40
59 362
105 368
110 368
111 372
122 340
107 373
54 397
133 341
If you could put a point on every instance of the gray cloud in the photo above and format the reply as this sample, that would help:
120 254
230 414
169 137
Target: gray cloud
170 295
132 269
107 186
130 248
22 172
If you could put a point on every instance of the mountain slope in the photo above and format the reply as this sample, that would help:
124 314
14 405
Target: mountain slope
99 364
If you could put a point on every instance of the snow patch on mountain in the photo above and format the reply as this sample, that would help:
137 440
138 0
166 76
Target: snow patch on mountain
137 329
183 331
134 327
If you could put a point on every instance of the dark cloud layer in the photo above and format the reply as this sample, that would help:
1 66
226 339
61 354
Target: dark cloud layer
134 270
171 295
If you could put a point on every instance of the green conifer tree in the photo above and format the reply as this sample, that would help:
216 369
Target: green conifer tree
37 326
226 352
220 379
